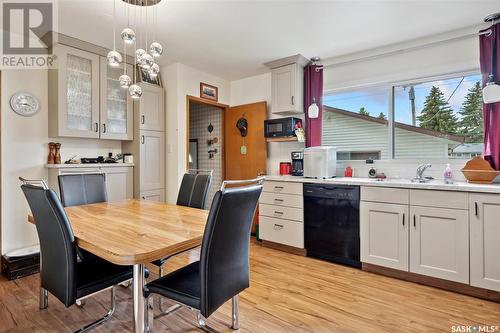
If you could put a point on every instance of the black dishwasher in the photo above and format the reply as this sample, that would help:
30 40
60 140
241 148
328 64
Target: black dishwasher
331 218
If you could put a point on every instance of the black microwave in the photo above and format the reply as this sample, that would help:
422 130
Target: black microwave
282 127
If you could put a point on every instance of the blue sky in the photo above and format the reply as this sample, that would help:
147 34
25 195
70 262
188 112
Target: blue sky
375 100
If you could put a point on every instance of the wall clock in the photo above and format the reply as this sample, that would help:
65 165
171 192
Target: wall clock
24 104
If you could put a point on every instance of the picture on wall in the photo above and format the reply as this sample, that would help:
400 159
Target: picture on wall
209 92
145 77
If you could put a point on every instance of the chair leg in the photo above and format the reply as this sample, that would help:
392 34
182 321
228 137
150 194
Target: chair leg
150 314
103 319
81 303
235 325
203 325
171 309
44 298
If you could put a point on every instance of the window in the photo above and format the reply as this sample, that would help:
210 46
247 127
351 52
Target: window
439 119
356 124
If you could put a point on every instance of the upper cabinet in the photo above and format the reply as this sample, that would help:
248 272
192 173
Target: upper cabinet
151 108
116 112
287 77
85 98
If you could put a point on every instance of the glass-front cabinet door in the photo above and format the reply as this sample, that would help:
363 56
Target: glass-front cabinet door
116 105
74 93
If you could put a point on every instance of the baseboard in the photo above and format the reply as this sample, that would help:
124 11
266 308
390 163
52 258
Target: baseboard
457 287
284 248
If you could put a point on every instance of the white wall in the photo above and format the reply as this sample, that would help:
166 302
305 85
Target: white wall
181 80
24 153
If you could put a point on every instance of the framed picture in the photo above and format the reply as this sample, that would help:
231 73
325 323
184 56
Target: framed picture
209 92
144 77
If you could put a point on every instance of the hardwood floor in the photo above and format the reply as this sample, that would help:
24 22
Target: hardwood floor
288 293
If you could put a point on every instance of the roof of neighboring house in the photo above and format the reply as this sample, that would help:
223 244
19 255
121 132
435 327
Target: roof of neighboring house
452 137
468 148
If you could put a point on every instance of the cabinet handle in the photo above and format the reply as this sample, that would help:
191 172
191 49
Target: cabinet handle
278 187
414 220
278 226
97 127
403 219
142 139
476 209
143 198
279 213
293 100
104 128
279 200
143 119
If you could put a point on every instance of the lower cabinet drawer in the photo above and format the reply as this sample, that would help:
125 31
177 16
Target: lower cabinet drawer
289 200
288 213
281 231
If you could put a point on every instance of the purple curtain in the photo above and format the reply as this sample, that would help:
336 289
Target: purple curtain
490 60
313 90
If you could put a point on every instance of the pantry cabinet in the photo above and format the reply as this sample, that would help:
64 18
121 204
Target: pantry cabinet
85 97
151 108
439 243
485 241
152 160
384 234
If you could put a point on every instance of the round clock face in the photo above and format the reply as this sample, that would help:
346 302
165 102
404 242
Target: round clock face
24 104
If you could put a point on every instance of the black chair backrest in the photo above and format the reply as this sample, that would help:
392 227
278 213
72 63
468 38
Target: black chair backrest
82 189
224 262
57 243
200 191
194 190
184 196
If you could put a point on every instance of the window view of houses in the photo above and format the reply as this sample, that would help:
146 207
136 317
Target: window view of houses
434 119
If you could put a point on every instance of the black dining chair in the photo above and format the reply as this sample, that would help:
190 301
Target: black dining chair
62 273
223 269
192 193
82 189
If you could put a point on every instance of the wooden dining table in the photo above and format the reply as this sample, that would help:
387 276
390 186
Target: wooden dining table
136 232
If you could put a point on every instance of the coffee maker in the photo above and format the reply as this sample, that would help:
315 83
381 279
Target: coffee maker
297 163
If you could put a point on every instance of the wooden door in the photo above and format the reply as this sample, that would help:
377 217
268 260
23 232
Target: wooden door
241 164
152 166
384 234
439 243
151 108
485 241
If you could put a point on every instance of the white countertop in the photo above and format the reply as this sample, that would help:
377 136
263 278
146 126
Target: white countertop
400 183
88 165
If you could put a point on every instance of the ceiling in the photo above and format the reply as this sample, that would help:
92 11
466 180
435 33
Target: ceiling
233 38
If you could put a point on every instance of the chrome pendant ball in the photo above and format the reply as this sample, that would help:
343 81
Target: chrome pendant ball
156 49
146 61
154 70
114 58
138 55
128 36
125 81
135 91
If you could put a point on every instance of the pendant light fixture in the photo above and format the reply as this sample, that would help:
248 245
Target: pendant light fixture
142 59
114 57
491 92
156 49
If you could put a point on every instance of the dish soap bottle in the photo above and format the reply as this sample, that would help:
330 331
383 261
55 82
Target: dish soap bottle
448 174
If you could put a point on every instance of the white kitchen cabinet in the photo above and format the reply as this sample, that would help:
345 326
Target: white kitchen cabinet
287 89
151 108
119 178
116 106
152 160
439 243
384 234
74 94
485 241
282 231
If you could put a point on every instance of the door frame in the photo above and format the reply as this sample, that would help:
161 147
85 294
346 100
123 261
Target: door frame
224 108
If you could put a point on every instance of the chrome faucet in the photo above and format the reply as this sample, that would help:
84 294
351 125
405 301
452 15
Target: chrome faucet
420 171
